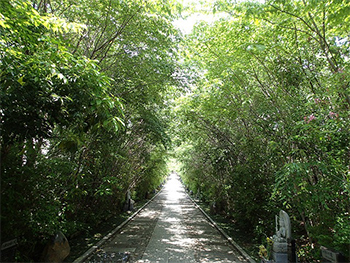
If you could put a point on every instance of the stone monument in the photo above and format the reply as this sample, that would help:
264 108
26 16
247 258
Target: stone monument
57 249
129 203
281 238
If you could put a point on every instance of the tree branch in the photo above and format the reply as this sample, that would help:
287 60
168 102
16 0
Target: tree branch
110 41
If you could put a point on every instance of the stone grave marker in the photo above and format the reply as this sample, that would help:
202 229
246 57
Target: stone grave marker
281 238
129 203
331 256
57 249
8 250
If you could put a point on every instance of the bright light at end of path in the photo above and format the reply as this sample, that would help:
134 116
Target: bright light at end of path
174 188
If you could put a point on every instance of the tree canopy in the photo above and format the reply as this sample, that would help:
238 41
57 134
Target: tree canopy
82 102
266 125
96 95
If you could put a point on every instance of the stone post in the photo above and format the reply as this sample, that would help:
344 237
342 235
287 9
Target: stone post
292 256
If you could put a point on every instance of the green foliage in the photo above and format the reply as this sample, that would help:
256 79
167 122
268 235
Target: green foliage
67 158
268 117
44 85
260 121
342 232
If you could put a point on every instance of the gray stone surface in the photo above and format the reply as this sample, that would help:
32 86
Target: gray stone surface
280 240
169 229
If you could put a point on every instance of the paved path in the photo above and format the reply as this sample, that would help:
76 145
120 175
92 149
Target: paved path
169 229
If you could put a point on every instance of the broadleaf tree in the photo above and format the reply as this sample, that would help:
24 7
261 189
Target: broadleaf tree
267 121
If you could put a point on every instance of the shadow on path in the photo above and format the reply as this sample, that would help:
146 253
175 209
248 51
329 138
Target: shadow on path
169 229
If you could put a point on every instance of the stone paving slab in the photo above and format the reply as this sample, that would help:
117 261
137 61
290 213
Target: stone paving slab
169 229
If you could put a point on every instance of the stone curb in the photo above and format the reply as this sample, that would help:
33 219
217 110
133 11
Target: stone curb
222 232
109 235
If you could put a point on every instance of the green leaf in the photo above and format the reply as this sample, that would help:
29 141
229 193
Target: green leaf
20 80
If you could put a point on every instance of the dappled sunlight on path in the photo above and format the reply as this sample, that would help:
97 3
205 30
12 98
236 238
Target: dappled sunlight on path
169 242
169 229
182 234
